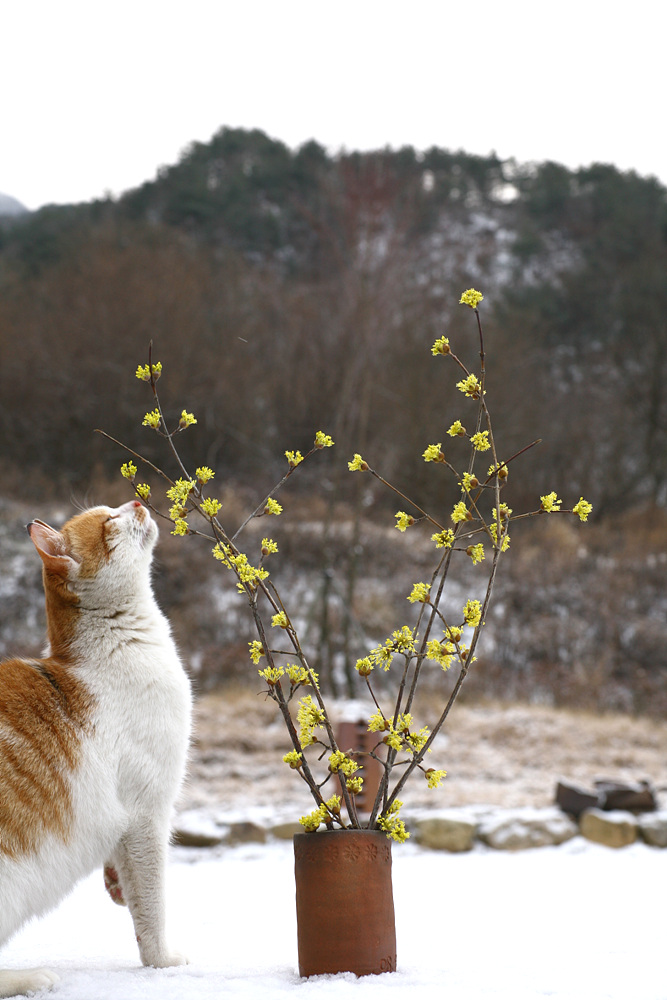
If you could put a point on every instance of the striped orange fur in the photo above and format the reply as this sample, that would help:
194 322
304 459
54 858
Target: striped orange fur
43 712
44 708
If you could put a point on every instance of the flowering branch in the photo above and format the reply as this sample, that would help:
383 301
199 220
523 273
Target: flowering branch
404 745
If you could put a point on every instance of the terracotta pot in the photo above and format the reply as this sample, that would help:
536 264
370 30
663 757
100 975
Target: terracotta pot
344 902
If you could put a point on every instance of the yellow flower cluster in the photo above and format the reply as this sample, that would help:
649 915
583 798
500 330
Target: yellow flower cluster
441 346
364 666
272 507
500 470
249 576
471 298
476 553
457 429
187 419
357 464
338 761
505 544
271 675
323 813
392 825
293 457
210 507
582 509
143 490
128 470
442 653
377 723
152 419
470 386
550 502
461 512
354 785
480 441
269 546
309 716
181 490
420 593
299 675
399 736
144 372
394 740
204 474
434 777
294 759
280 620
505 512
416 741
323 440
443 539
433 453
256 650
472 613
401 640
403 520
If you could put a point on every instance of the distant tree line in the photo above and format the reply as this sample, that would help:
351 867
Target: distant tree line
290 291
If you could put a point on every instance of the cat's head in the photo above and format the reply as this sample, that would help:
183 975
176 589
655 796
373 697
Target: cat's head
103 553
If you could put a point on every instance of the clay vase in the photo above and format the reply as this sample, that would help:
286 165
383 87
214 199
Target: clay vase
344 902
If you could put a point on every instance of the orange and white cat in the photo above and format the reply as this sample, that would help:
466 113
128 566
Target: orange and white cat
94 736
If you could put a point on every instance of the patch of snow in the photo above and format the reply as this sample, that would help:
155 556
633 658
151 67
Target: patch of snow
575 922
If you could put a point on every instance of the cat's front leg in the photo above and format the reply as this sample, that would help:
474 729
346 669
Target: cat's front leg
141 861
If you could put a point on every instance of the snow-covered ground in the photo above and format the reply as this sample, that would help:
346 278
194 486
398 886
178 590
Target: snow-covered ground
576 922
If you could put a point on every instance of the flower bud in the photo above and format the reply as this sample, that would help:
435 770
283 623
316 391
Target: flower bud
364 667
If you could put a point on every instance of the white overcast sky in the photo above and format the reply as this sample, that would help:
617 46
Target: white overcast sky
95 95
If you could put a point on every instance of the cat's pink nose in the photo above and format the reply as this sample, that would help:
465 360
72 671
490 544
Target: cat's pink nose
136 503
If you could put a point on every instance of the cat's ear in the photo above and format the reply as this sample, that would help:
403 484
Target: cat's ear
52 548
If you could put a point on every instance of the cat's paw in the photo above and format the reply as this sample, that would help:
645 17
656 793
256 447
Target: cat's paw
26 981
168 960
113 886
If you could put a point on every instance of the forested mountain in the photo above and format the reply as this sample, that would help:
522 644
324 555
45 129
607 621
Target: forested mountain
10 206
290 290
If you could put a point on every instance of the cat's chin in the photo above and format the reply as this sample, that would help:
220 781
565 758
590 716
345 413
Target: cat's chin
149 532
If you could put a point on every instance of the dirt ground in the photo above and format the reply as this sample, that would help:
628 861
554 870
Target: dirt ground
504 755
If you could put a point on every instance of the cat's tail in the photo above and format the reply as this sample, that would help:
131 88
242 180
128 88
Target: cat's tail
113 886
